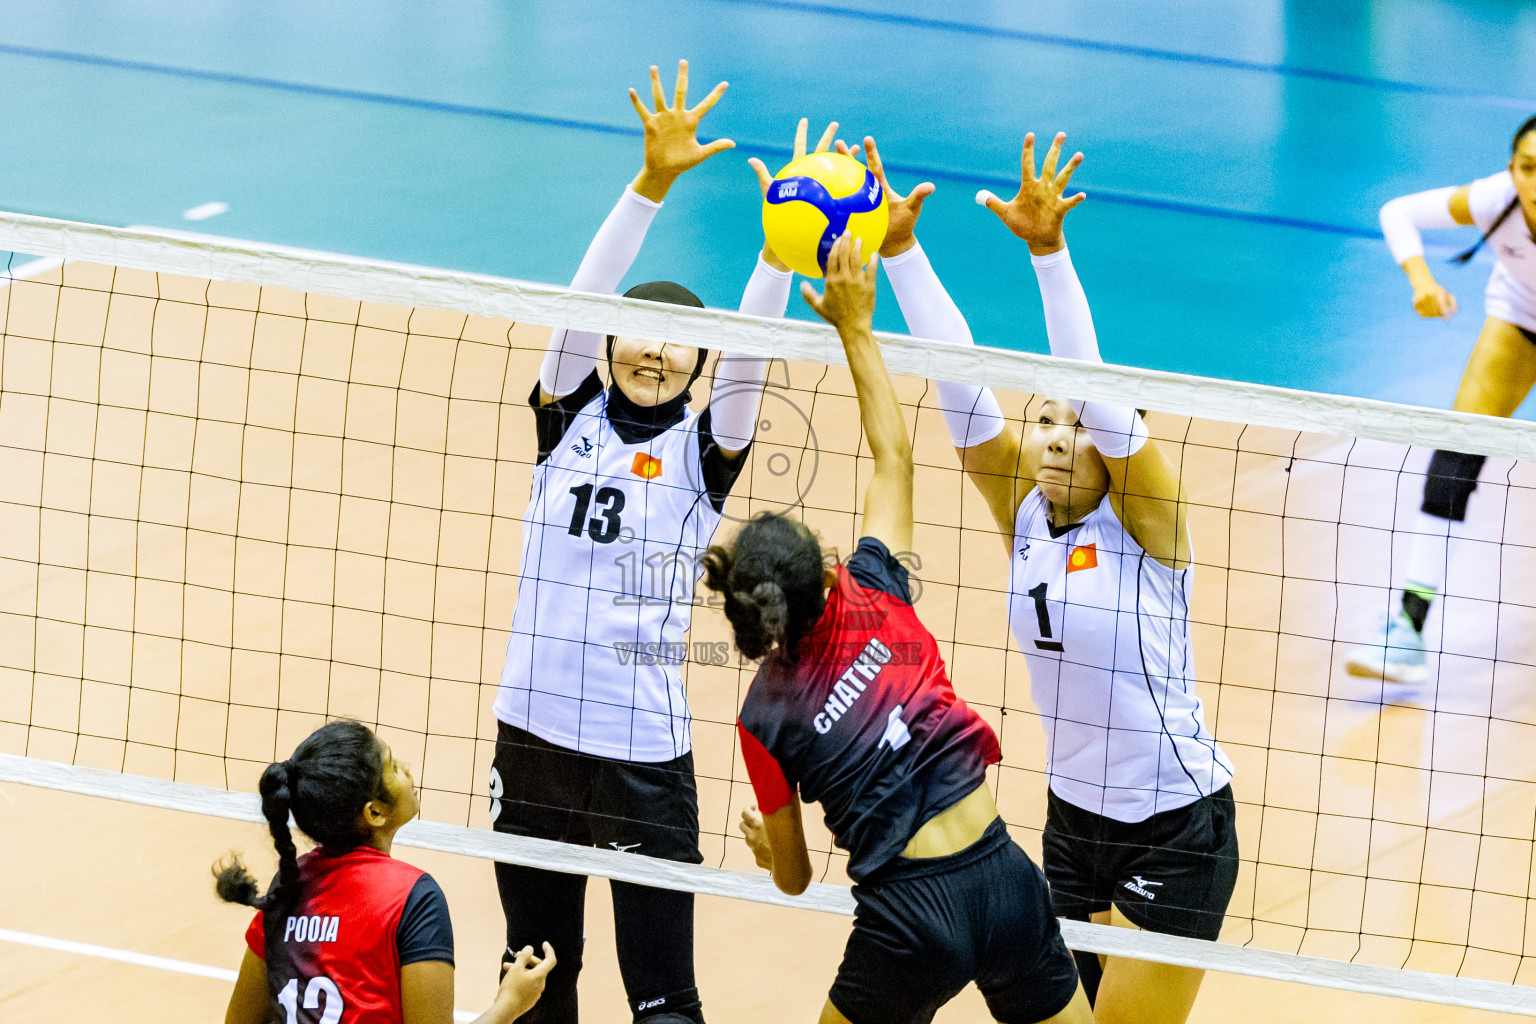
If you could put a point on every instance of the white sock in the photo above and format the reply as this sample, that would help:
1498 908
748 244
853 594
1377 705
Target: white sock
1428 550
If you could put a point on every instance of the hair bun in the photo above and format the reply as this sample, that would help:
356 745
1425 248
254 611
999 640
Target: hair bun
772 609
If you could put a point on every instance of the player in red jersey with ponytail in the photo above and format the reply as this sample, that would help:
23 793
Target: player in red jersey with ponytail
346 933
852 709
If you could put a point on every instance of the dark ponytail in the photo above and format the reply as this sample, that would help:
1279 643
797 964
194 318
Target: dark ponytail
770 577
325 785
1465 256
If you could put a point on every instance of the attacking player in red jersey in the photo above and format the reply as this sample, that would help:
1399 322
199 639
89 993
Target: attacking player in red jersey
852 709
347 934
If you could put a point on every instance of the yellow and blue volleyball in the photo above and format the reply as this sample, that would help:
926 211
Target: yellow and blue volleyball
814 200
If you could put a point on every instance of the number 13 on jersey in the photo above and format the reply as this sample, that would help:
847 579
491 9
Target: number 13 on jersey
605 526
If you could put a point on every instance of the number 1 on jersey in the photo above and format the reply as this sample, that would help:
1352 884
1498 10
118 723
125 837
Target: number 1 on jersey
1044 615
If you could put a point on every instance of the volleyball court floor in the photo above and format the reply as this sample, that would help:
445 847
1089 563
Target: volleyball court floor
1337 778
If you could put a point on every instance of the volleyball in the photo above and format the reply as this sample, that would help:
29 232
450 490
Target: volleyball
815 199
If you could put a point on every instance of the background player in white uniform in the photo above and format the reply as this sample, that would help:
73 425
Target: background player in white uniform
1140 829
1498 377
593 743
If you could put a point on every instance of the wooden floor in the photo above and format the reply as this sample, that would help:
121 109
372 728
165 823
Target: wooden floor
226 515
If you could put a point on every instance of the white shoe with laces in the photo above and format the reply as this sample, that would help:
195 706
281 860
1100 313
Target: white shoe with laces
1397 656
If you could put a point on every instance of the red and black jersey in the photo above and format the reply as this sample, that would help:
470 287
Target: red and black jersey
865 722
334 957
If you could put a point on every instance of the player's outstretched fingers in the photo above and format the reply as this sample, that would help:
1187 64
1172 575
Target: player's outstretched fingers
680 94
1066 172
826 138
1048 169
645 115
764 179
986 198
1027 158
710 100
657 95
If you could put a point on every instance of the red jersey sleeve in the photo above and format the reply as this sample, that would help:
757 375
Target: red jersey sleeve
768 782
256 936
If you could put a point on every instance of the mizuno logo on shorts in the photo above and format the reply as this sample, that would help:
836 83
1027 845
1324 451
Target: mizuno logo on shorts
1139 886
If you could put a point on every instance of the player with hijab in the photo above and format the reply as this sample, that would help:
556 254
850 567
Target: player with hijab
593 743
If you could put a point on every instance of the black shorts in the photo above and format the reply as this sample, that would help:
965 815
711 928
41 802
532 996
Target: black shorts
546 791
1172 873
925 928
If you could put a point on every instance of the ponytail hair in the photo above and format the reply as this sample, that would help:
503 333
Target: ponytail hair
325 785
1465 256
770 576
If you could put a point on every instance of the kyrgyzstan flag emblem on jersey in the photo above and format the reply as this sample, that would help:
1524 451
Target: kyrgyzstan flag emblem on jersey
646 467
1082 557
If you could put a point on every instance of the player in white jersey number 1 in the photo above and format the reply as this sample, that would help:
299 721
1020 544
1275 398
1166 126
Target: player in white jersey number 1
593 742
1140 826
1498 377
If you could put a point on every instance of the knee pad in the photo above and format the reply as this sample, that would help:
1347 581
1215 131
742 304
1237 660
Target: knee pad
676 1008
1451 479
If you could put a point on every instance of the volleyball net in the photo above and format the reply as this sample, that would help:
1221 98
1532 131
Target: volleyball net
247 489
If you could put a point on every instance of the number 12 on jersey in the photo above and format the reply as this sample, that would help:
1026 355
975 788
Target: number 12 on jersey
319 987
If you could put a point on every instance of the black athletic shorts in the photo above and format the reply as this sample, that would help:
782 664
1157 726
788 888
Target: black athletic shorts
1172 873
925 928
546 791
1530 335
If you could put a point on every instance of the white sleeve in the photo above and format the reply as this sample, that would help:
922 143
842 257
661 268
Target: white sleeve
572 355
1404 217
1117 430
971 412
738 387
1488 197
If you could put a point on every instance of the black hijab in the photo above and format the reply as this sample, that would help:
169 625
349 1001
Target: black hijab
636 423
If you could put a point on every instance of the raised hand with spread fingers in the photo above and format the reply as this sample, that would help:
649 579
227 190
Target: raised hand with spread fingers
901 233
671 134
1035 213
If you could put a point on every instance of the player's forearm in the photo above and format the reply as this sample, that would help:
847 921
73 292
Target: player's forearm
884 426
572 355
1117 430
738 386
1419 274
971 413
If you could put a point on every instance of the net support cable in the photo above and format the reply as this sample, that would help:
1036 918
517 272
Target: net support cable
820 896
158 250
350 277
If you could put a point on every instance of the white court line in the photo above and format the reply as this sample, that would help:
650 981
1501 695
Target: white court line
128 956
205 211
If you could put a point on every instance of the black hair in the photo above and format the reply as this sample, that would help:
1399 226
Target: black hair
326 784
1465 256
770 576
